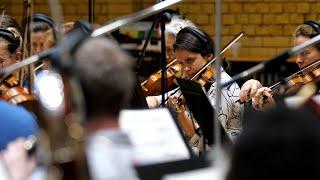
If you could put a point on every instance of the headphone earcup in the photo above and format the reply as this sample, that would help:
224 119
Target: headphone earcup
14 45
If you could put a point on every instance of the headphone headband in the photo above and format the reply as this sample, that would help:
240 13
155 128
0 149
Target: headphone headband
43 18
315 26
196 32
203 39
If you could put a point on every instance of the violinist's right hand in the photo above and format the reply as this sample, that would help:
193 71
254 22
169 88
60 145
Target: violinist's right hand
263 99
249 89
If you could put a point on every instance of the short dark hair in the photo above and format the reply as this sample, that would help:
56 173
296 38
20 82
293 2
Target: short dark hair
282 143
105 73
307 31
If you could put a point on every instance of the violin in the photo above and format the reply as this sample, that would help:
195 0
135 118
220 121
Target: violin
152 86
207 76
11 92
294 82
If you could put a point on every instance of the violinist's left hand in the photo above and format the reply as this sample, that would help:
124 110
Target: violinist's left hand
249 89
173 103
263 99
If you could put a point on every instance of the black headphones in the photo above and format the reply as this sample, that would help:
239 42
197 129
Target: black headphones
315 26
200 36
43 18
14 42
40 17
46 19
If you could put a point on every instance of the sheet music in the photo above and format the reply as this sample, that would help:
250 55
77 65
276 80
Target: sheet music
154 135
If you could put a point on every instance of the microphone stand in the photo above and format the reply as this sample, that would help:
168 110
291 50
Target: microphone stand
217 156
148 38
91 11
109 27
163 57
162 17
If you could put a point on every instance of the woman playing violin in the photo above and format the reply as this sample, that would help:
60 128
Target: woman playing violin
254 89
152 86
193 49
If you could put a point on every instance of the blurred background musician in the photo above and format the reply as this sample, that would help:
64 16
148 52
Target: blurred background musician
41 23
42 37
105 73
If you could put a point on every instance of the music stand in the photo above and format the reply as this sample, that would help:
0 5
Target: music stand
137 98
200 107
158 171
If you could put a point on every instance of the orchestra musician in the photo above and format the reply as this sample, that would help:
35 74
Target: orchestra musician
42 37
254 89
193 49
151 86
107 79
41 23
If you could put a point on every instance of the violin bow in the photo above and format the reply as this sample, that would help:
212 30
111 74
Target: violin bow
234 40
3 9
308 68
26 37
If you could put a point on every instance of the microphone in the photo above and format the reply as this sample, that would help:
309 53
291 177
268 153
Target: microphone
273 62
